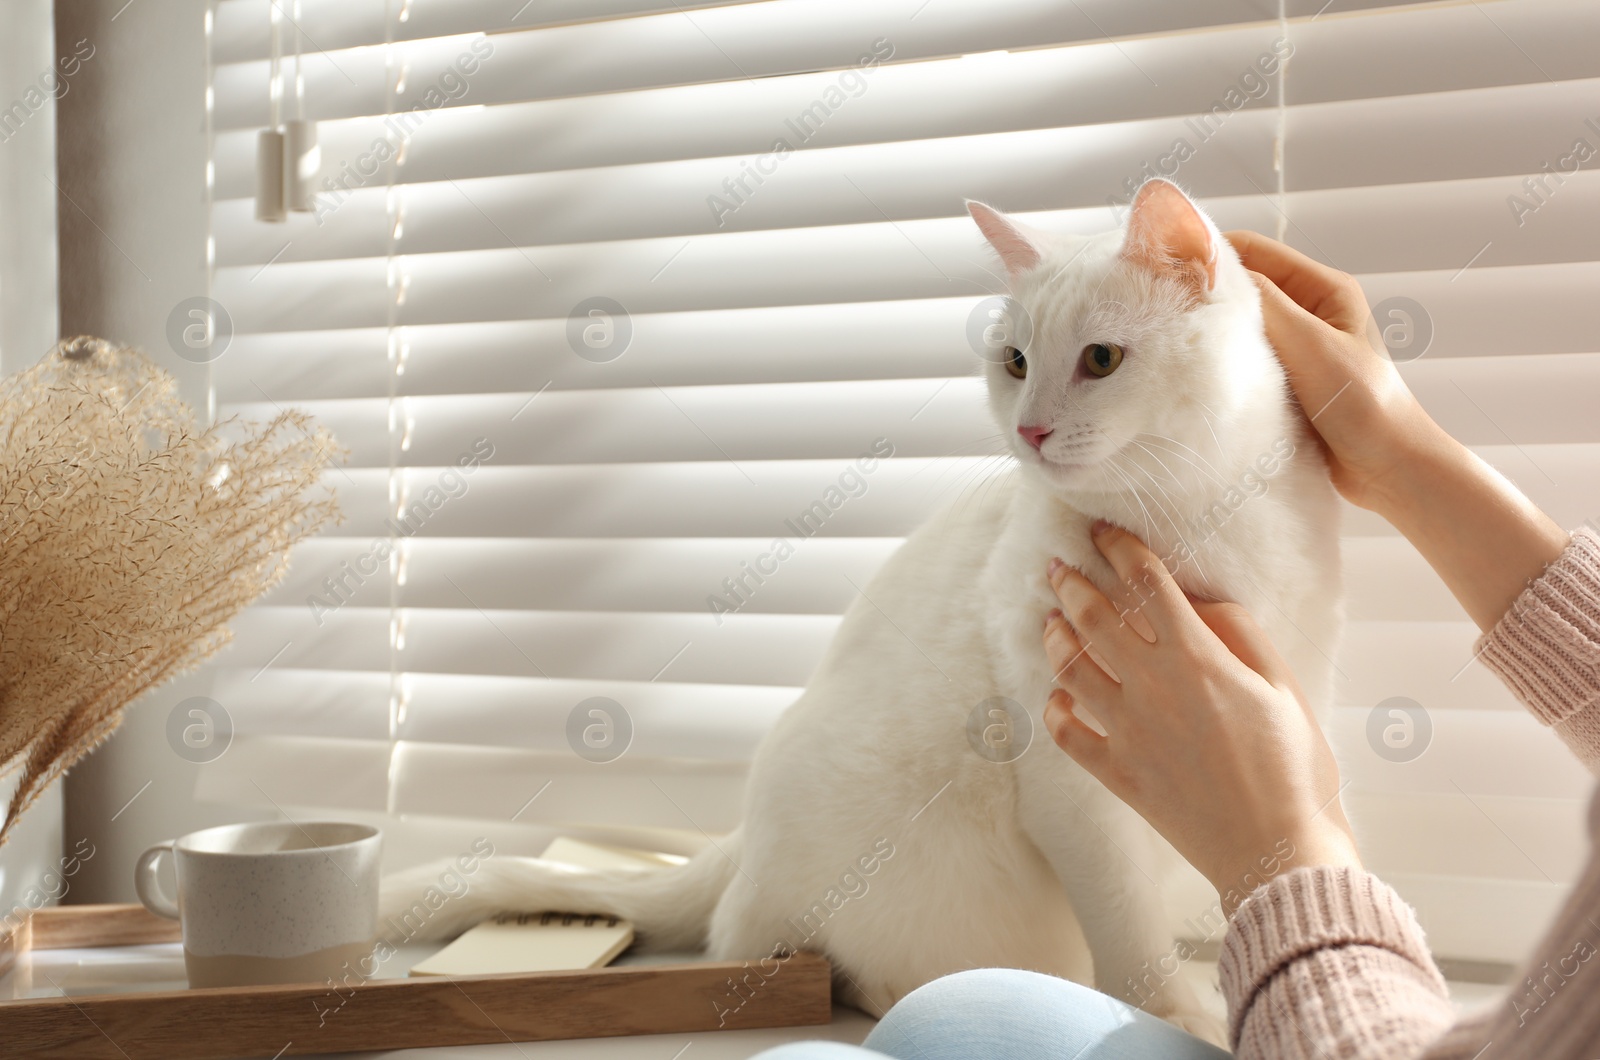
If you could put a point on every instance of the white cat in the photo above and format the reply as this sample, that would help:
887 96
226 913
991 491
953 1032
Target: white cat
874 831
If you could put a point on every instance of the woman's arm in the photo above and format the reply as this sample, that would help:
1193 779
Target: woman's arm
1547 647
1479 533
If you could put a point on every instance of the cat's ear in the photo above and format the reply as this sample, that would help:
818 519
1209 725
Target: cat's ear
1017 252
1168 233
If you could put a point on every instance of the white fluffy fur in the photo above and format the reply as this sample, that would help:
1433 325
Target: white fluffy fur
1028 864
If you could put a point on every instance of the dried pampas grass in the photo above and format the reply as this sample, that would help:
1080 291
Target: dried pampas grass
128 538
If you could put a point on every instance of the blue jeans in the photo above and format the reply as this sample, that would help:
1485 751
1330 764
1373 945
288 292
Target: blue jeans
1006 1014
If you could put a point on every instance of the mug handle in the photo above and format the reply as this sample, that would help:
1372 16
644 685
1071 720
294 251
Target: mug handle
148 885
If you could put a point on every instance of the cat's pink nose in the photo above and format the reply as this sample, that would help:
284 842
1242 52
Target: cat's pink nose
1034 435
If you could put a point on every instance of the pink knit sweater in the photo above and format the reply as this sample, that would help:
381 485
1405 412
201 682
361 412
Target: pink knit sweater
1326 963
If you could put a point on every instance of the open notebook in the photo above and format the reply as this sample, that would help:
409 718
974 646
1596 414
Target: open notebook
548 942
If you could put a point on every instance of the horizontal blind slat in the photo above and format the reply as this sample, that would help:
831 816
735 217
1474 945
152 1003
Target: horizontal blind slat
717 499
740 649
282 771
1385 577
722 720
930 417
618 574
494 782
1494 754
1430 662
1484 836
1474 313
1466 917
913 338
1538 400
243 28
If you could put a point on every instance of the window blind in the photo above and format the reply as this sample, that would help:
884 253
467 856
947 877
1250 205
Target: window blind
768 198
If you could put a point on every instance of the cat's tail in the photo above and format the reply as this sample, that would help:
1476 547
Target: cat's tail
670 908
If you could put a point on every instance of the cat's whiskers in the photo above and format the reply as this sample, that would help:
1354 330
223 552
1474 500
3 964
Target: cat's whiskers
1173 520
959 484
1133 491
965 472
1170 474
985 486
1205 465
1154 456
987 470
1220 482
999 440
1137 465
990 481
964 476
1205 417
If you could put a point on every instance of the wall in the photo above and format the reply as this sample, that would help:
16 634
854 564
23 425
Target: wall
132 158
27 325
27 198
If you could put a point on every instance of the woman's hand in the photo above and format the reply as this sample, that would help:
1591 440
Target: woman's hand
1208 735
1484 538
1318 322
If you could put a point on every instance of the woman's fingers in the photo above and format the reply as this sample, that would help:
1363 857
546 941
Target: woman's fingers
1239 633
1072 669
1317 359
1285 320
1325 292
1095 619
1070 733
1151 592
1318 371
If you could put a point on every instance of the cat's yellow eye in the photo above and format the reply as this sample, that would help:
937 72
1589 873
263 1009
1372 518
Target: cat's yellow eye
1101 358
1016 364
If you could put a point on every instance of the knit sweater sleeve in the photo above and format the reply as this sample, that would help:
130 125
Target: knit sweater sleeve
1547 647
1330 962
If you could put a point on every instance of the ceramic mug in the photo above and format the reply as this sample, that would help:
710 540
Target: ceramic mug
275 902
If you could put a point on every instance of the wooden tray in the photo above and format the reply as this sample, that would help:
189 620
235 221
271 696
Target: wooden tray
270 1021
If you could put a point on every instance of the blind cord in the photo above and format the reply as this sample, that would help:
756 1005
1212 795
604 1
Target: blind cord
275 69
299 72
1280 136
